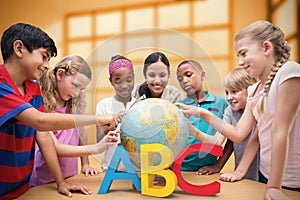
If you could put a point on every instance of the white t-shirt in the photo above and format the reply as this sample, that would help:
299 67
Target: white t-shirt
111 106
291 176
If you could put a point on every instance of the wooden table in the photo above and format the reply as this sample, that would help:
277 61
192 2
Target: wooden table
122 189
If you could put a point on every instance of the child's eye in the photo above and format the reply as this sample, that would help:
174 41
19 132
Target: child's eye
243 53
117 81
189 74
129 80
45 57
76 86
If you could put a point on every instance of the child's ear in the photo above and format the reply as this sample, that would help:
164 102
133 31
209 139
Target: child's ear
60 73
18 48
268 47
202 76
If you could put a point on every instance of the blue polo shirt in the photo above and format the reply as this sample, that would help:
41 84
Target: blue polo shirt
217 106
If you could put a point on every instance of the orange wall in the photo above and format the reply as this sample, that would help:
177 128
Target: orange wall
49 14
245 12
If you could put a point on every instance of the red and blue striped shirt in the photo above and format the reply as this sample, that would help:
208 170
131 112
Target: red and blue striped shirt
16 139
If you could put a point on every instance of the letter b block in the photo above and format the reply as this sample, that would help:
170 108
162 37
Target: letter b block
148 170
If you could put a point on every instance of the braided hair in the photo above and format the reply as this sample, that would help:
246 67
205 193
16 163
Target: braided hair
265 31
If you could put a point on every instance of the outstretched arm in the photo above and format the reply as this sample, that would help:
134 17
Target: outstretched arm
64 150
217 139
235 133
56 121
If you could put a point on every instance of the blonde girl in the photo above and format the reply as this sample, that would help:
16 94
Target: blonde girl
63 92
273 102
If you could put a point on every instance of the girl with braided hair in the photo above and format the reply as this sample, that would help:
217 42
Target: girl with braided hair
273 102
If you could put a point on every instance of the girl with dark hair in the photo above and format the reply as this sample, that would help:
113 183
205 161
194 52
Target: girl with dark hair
121 77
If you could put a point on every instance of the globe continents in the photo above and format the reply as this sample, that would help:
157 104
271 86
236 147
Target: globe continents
153 121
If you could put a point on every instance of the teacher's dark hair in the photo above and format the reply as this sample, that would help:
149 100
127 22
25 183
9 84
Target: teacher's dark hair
152 58
155 57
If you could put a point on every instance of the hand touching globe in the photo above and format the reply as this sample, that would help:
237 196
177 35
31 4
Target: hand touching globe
153 121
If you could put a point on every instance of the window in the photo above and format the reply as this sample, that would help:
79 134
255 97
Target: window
180 29
285 14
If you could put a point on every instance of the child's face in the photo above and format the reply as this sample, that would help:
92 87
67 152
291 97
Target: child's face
157 77
251 56
237 99
35 63
190 79
70 86
123 81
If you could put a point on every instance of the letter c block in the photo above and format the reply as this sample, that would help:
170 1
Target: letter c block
201 190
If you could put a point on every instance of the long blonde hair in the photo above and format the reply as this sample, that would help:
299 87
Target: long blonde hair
262 31
72 65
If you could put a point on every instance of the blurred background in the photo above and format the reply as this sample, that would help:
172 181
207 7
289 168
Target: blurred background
183 29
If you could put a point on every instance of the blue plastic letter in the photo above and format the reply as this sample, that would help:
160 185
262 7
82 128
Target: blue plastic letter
113 174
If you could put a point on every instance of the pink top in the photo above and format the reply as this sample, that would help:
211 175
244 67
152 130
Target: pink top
69 166
291 176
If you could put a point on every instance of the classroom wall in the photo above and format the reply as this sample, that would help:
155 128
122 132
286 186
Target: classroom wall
49 14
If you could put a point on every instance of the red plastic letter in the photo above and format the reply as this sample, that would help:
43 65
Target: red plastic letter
201 190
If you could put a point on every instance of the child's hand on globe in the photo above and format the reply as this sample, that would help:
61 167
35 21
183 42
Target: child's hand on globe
112 136
110 139
188 110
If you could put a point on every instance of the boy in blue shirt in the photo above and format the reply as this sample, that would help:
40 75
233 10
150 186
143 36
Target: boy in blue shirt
190 76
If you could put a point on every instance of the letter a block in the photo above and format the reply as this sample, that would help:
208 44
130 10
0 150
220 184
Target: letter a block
112 172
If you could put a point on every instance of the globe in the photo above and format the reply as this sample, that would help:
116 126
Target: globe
153 121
